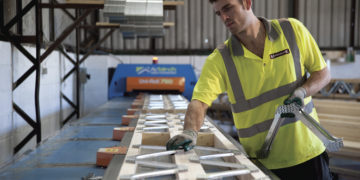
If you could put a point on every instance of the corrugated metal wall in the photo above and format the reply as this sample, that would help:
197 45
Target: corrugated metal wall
197 27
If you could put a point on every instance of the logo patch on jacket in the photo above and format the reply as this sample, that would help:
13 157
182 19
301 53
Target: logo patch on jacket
280 53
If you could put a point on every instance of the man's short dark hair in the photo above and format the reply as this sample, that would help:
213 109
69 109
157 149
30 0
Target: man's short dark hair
212 1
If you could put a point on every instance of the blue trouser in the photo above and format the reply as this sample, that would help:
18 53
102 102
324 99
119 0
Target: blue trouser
313 169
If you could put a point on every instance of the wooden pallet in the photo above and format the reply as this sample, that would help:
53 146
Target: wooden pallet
210 137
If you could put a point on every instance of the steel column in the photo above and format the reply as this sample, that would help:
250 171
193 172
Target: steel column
51 22
77 66
18 10
293 9
352 23
35 124
1 13
39 33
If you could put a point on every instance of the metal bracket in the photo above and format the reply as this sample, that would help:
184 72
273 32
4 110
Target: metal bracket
238 169
149 147
162 127
223 174
331 143
153 122
156 125
212 156
141 161
150 116
91 176
133 159
203 128
152 174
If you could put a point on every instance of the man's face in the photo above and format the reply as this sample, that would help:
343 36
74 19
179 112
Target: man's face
232 13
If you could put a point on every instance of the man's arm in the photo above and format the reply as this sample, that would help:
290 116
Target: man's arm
314 84
195 115
194 119
317 81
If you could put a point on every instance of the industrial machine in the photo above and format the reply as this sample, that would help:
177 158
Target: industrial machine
152 77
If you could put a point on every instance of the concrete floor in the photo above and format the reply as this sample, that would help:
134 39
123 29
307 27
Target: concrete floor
71 154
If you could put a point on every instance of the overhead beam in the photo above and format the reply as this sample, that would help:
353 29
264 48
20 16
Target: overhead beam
168 24
115 25
85 2
107 25
101 25
352 23
171 5
71 6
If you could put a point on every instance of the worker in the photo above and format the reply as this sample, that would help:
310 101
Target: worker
262 65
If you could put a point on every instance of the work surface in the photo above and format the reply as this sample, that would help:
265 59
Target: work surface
71 154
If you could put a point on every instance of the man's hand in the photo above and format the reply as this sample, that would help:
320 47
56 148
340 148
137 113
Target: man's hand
186 141
297 96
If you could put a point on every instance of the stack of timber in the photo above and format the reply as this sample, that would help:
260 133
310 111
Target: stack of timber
342 119
162 117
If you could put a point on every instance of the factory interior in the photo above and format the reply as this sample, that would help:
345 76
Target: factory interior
98 89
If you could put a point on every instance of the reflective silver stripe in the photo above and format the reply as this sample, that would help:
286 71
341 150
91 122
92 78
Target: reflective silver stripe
241 103
232 73
265 125
291 40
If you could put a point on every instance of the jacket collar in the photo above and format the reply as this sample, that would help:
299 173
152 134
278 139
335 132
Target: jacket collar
270 29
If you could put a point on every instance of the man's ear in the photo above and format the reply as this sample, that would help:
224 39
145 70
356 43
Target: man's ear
247 4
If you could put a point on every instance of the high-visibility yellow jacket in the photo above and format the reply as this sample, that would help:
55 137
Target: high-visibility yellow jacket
261 85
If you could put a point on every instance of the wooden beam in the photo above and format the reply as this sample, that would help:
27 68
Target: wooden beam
338 109
342 119
99 2
336 102
347 130
171 5
168 24
107 25
338 117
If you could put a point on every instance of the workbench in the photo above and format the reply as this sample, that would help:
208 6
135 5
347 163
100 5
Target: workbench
71 153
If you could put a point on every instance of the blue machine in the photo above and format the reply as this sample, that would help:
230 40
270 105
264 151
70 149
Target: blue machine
118 83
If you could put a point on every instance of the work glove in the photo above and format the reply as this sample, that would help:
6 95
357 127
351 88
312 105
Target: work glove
186 141
297 97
